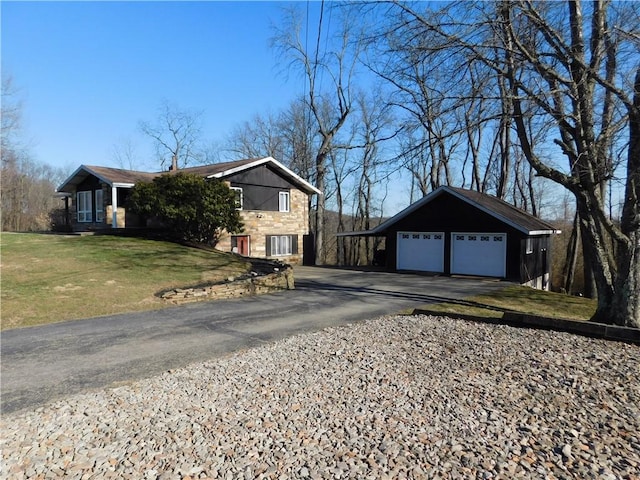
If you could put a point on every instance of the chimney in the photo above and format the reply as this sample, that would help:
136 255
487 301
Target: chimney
174 163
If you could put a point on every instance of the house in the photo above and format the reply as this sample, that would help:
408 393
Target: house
273 200
454 231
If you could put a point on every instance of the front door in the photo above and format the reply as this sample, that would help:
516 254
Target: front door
241 245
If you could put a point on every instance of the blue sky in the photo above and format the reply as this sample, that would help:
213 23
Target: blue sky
88 72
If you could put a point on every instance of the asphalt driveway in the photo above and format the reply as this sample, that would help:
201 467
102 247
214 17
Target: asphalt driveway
40 364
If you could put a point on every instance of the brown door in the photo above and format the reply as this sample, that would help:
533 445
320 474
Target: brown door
242 244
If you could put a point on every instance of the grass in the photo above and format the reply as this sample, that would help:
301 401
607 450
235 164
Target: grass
520 299
49 278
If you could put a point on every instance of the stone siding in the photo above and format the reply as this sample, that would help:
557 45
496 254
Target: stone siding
260 223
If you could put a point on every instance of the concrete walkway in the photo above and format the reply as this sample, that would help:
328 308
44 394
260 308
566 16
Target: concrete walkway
40 364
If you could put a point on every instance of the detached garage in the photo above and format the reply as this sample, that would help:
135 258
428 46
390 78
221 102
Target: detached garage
454 231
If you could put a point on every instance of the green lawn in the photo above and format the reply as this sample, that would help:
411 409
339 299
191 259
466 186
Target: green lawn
520 299
49 278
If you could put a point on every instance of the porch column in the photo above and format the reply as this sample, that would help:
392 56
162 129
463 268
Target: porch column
114 207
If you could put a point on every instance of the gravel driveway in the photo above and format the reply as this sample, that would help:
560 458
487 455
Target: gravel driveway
393 397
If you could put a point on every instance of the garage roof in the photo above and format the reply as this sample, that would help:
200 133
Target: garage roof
499 209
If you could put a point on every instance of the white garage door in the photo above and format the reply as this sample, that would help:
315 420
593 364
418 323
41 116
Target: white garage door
421 251
483 254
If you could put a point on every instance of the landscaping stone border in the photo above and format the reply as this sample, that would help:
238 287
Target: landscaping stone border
257 282
514 319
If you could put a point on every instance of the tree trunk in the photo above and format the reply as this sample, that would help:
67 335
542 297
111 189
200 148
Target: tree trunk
597 269
569 269
341 257
626 301
625 304
320 206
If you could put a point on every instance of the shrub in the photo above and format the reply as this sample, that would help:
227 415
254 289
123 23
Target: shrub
190 207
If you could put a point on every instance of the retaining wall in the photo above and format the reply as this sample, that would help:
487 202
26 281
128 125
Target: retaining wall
244 287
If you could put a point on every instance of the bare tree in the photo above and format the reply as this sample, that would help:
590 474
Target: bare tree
576 69
28 186
125 155
259 137
373 128
328 72
431 126
299 139
176 135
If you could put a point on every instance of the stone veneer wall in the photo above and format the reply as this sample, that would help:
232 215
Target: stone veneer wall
260 223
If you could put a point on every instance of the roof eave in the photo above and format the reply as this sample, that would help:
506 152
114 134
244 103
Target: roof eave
364 233
544 232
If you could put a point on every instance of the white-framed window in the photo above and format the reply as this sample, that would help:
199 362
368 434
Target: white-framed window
239 198
84 207
99 206
529 245
283 201
281 245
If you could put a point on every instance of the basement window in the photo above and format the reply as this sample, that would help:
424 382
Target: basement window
279 245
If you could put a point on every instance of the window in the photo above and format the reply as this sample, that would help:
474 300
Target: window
459 237
283 201
99 206
416 236
84 207
497 239
529 246
281 245
239 199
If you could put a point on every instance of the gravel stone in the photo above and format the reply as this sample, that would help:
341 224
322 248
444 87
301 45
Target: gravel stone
395 397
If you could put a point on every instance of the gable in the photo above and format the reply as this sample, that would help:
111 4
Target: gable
262 175
274 166
448 213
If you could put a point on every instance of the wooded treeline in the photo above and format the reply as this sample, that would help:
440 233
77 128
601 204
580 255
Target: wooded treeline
27 186
520 99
